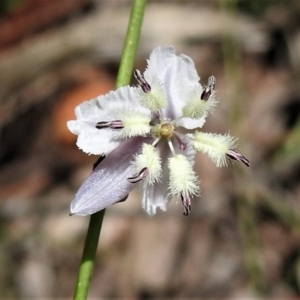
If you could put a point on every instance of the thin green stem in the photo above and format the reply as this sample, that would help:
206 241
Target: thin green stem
123 78
131 42
88 256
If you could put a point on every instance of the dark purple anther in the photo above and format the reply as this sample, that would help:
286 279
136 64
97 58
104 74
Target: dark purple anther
142 175
155 119
207 90
182 145
186 201
237 156
142 82
116 124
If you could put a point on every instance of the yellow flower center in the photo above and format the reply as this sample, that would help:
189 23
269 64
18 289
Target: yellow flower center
165 130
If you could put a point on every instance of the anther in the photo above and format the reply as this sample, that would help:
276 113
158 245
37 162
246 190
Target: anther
116 124
182 145
142 175
155 119
186 201
141 81
211 84
237 156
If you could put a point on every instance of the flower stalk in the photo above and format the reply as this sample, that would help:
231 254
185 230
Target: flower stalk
131 42
96 219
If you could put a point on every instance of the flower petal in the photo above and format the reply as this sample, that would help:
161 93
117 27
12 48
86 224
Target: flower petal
88 114
156 195
178 75
107 108
190 123
95 141
122 99
108 182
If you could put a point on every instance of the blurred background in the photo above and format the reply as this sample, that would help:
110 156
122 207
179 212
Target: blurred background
241 240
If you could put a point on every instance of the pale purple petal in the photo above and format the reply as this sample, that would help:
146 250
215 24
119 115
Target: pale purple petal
108 182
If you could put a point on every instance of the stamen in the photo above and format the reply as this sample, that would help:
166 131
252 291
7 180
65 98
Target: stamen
182 145
155 119
141 81
156 141
211 84
171 147
237 156
186 202
142 175
116 124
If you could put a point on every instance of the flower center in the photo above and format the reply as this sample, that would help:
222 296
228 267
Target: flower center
165 130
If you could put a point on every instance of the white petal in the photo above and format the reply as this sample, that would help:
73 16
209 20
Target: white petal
189 123
156 195
122 99
108 183
88 114
158 64
177 73
106 108
74 127
97 141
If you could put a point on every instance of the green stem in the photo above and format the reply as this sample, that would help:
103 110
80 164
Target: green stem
123 78
131 42
88 256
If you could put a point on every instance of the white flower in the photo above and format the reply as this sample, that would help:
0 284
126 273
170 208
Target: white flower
136 128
